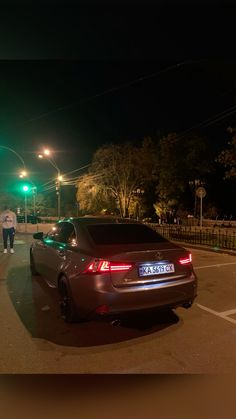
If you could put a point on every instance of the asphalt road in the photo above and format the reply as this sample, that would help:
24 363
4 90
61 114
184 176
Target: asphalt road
34 339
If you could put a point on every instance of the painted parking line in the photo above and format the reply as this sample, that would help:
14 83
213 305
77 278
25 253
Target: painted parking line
229 312
222 315
218 265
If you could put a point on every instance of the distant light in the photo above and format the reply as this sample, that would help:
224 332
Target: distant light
23 173
47 152
40 156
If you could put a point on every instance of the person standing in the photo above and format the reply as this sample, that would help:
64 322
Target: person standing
8 220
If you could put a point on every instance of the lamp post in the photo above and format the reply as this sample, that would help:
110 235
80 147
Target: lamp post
46 153
17 154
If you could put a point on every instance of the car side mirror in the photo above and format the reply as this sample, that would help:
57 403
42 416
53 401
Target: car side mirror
38 236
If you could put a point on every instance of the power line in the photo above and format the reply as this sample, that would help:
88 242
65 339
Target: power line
111 90
205 123
76 170
72 181
209 121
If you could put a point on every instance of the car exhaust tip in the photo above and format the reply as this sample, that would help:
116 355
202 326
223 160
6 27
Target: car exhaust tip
116 322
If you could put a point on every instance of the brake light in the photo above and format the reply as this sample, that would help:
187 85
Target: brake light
102 266
187 260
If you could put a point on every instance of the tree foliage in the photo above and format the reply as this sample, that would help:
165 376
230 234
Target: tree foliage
227 157
121 176
180 161
91 196
116 173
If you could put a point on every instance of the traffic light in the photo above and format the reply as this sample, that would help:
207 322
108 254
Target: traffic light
25 188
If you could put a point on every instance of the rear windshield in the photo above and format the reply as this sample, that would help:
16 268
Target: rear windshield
123 234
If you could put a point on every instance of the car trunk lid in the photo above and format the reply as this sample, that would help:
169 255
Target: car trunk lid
150 266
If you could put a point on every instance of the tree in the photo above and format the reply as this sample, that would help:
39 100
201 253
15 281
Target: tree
91 196
44 204
227 157
10 200
116 173
180 161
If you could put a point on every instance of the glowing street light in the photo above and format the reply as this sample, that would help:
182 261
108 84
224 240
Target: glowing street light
23 174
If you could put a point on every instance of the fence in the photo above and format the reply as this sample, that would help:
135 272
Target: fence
216 238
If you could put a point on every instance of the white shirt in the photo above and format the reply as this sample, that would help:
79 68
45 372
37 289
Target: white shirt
8 219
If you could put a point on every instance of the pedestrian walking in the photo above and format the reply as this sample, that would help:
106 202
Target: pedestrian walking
8 220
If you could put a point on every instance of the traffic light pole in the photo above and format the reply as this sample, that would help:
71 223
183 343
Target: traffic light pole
58 192
26 211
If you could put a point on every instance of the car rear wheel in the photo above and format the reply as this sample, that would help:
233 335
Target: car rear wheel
67 305
32 265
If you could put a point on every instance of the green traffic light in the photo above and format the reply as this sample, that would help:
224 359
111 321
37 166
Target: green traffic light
25 188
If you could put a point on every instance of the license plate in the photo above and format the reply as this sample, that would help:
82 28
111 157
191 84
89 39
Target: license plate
156 269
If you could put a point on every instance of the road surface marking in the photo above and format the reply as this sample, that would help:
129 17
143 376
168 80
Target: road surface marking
229 312
219 314
218 265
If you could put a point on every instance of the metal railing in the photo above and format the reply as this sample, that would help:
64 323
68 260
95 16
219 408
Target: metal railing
216 238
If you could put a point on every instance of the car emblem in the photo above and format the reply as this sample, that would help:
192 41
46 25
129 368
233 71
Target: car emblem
158 256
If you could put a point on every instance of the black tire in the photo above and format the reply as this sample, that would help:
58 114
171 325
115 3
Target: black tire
67 306
32 265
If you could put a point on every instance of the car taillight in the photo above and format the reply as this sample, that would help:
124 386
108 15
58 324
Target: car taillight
102 266
186 260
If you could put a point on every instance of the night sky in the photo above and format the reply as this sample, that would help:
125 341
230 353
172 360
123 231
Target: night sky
73 78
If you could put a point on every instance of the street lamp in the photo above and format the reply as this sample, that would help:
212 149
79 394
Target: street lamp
23 174
47 154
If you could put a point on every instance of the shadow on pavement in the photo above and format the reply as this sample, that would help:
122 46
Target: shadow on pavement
37 306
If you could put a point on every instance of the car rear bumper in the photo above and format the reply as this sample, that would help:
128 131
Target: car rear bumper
125 299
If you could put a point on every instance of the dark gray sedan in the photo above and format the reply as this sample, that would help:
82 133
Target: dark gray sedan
111 265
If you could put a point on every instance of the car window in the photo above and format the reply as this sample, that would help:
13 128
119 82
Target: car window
66 234
105 234
53 234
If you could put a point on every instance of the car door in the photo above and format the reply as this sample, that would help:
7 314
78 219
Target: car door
57 250
46 249
42 250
